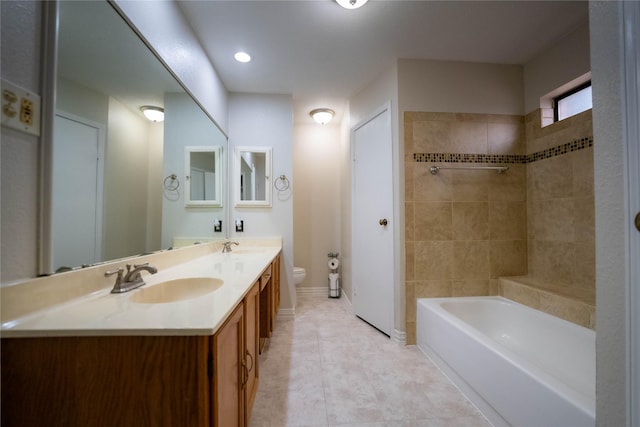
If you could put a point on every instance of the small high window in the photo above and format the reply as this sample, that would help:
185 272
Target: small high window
572 102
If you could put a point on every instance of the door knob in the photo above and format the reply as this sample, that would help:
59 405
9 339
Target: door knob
638 221
383 222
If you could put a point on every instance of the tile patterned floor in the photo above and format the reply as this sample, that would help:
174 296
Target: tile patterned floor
326 367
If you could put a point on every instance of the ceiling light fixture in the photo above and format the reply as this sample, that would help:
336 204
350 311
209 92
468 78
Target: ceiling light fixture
351 4
155 114
242 57
322 115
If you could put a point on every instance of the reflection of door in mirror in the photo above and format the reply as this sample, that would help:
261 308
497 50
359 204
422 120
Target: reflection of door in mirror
77 181
203 176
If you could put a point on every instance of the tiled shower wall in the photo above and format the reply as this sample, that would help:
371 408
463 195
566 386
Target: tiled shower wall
464 229
560 206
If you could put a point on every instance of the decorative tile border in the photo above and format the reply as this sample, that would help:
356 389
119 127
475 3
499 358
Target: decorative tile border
578 144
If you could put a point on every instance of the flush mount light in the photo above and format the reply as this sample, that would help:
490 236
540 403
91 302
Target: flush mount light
351 4
322 115
242 57
155 114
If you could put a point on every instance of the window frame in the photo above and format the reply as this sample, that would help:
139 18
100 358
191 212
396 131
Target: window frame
557 99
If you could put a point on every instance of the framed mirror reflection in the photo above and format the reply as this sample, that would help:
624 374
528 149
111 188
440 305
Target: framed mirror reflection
203 176
252 176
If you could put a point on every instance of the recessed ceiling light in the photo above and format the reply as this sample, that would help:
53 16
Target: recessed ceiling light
351 4
242 57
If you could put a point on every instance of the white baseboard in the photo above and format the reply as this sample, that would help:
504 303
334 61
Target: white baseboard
309 291
287 313
399 337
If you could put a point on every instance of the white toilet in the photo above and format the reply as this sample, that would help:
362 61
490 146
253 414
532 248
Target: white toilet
299 274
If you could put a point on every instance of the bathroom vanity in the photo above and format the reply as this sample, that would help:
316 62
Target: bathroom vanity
172 357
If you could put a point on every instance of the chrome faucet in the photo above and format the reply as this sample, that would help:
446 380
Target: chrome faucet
227 246
131 280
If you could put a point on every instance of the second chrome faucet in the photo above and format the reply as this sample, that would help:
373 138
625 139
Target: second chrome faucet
132 279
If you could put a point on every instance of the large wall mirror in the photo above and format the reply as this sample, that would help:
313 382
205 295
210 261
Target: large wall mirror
252 176
106 194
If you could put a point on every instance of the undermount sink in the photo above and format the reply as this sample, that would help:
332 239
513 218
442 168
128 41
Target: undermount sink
176 290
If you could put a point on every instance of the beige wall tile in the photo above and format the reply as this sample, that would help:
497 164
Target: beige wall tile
470 220
432 221
505 138
508 220
432 137
410 306
520 293
583 172
434 260
411 333
507 258
427 187
409 221
464 288
468 137
409 180
471 259
553 219
584 220
553 262
409 256
551 178
565 308
509 186
469 185
584 271
433 288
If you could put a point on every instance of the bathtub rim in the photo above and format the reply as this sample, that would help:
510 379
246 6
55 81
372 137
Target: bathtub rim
581 400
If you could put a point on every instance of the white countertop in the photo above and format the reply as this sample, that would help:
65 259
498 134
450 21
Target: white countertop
102 313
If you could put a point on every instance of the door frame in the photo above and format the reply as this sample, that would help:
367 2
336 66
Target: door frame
398 324
631 132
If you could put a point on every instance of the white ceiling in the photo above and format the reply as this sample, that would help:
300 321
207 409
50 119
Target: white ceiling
323 54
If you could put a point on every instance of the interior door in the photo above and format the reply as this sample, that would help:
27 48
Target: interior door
77 183
372 227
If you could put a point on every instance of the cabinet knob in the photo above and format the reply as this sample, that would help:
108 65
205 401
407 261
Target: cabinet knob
383 222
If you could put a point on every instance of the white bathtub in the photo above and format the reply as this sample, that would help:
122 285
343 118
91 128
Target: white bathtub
519 366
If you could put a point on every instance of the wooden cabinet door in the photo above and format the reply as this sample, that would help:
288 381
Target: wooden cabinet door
252 329
228 372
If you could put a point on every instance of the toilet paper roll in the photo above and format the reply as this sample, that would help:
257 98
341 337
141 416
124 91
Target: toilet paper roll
334 263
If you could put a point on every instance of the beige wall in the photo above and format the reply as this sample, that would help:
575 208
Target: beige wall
316 199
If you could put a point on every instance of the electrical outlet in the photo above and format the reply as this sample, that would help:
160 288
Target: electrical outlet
20 109
26 111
